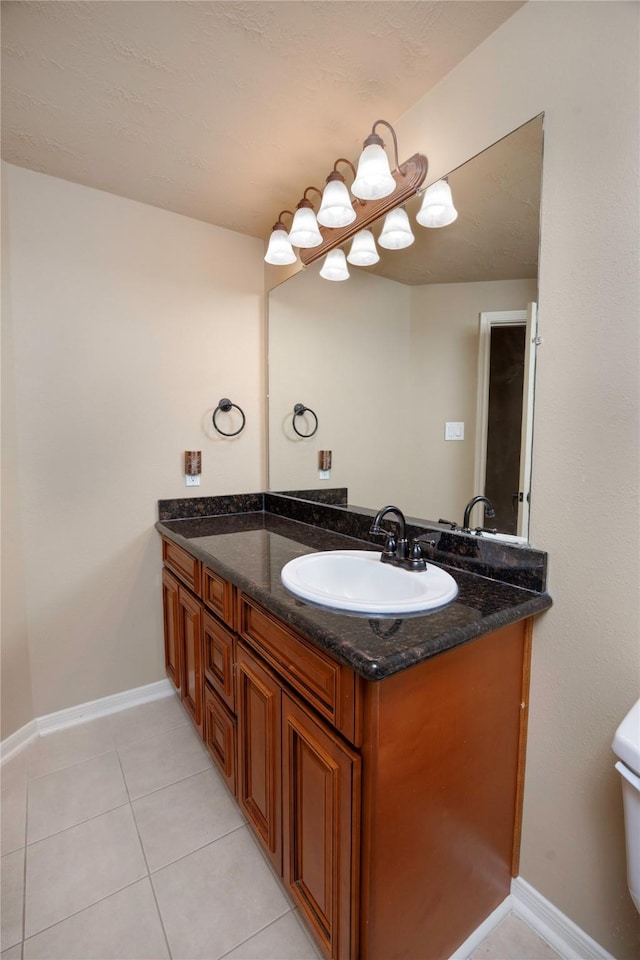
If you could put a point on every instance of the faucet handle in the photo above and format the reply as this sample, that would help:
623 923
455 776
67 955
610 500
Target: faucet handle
390 543
480 530
415 559
452 523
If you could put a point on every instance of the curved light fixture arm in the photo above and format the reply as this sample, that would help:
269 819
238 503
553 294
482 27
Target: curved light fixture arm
305 200
336 175
343 160
393 134
279 225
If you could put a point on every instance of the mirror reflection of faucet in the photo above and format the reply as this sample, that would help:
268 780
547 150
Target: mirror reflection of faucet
489 512
465 528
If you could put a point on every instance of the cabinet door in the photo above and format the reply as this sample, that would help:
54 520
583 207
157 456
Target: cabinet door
219 658
171 628
258 699
190 633
220 736
321 828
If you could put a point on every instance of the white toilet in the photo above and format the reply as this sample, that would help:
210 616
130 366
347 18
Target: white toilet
626 745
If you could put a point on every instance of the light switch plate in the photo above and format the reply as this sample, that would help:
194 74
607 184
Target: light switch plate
454 430
192 481
324 474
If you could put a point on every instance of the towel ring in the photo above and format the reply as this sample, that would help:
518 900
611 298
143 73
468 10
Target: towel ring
298 411
225 405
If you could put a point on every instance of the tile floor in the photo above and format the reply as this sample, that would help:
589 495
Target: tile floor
120 840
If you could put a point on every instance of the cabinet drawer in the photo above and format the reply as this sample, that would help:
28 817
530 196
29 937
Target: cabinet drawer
219 659
217 594
331 688
186 567
220 737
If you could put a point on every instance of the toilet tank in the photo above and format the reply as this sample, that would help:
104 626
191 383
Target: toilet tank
626 745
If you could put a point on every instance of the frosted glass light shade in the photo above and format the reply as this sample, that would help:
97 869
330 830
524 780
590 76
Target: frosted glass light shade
336 209
437 208
279 252
335 266
373 179
304 229
396 231
363 251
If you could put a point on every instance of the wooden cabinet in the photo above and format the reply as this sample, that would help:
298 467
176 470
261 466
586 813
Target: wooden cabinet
259 751
220 736
320 827
190 633
219 660
331 688
391 810
299 785
172 658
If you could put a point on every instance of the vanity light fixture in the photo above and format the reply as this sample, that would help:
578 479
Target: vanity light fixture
379 192
437 208
304 229
336 209
280 252
396 231
374 180
335 266
363 252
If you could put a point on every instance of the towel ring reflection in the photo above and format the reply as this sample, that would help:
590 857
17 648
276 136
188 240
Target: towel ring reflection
225 405
298 411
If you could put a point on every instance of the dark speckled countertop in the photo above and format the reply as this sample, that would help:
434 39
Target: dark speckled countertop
250 548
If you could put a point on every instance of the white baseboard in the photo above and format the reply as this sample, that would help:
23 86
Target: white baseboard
18 741
561 933
471 944
83 712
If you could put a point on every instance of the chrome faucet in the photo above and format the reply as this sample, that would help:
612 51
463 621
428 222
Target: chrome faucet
489 512
397 549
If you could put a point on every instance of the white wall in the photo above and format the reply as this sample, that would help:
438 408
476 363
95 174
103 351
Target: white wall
343 350
16 696
130 323
577 62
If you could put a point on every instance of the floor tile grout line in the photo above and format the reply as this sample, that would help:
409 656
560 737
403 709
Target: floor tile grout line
144 854
114 747
94 903
209 843
74 763
157 733
96 816
143 796
257 932
24 865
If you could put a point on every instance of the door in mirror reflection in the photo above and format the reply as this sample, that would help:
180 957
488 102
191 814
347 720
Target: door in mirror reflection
506 367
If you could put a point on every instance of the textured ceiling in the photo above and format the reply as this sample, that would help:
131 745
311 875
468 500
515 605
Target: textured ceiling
222 111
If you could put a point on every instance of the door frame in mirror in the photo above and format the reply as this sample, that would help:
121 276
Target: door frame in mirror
487 322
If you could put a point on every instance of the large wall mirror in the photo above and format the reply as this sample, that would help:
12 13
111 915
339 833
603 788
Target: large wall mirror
433 334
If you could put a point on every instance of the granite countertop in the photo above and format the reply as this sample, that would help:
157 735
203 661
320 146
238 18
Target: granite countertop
249 549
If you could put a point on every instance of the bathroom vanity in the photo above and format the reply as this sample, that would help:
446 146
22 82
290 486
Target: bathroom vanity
378 762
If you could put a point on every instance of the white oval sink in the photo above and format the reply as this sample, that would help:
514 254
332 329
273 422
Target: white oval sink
357 580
